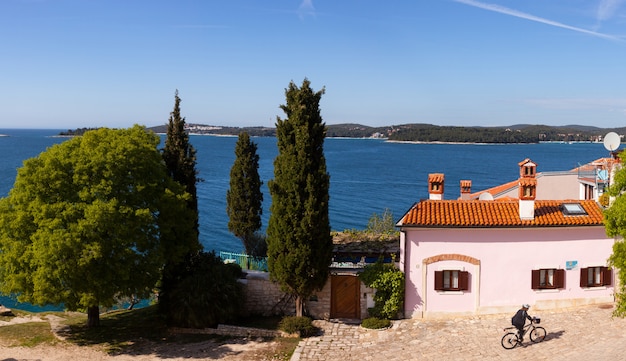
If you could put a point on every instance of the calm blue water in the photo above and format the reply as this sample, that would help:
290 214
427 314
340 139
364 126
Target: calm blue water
366 175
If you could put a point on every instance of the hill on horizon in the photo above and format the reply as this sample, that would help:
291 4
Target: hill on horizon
423 132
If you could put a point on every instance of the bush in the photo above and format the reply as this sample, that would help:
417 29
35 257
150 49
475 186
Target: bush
375 323
201 292
389 284
301 325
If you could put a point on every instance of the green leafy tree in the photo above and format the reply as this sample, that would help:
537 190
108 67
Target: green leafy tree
382 224
244 199
298 234
615 224
180 157
90 220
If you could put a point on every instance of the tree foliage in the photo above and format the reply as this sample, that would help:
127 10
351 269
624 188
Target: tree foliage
205 292
389 284
180 156
615 224
244 199
298 233
92 219
382 224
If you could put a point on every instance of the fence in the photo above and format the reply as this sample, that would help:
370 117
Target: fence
246 262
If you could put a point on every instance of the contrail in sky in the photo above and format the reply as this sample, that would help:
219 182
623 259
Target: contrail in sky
522 15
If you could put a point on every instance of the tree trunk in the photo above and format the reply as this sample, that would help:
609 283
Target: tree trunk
93 316
299 306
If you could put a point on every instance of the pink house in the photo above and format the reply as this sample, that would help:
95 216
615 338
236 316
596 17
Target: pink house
473 256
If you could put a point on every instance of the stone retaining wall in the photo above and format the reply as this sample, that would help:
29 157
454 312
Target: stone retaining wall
238 331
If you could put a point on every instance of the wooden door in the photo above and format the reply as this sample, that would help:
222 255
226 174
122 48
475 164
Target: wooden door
344 297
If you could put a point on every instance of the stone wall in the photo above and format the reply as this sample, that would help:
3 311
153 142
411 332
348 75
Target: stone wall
264 297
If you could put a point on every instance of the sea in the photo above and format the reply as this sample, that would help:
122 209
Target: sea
367 176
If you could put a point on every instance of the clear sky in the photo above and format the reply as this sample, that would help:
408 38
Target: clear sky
89 63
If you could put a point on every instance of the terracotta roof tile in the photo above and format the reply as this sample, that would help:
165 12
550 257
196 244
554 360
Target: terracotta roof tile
436 177
475 213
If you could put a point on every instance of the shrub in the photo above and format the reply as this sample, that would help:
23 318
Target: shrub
301 325
201 292
389 284
375 323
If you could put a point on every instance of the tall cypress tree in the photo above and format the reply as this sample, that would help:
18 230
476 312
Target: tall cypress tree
244 199
180 159
298 233
180 156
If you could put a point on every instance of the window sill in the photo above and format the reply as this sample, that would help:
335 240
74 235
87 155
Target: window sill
594 288
450 292
547 290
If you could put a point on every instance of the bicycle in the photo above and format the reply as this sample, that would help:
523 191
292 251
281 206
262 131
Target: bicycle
536 333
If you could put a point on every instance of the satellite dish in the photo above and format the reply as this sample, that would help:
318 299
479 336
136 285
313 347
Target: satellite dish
485 197
611 141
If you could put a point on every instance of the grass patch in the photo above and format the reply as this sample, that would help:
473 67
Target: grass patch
119 328
27 334
123 331
129 332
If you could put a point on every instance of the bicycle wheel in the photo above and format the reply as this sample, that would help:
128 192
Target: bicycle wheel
509 340
537 334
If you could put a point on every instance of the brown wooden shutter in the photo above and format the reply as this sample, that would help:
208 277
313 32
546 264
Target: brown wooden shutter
438 280
463 280
535 279
559 278
584 279
607 276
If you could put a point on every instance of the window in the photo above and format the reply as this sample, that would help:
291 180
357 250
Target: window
529 171
451 280
595 276
548 278
573 209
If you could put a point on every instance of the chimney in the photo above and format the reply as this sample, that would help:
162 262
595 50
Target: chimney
527 189
435 186
466 189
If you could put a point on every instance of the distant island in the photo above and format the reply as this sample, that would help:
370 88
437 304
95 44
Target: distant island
427 133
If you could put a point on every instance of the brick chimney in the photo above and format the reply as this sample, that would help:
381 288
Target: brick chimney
527 189
466 189
435 186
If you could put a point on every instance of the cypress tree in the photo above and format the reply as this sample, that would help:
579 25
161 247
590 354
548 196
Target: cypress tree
244 199
298 233
180 157
180 160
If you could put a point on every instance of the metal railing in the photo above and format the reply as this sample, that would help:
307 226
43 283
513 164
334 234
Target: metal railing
246 262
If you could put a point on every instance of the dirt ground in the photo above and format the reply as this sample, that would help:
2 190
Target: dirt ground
238 349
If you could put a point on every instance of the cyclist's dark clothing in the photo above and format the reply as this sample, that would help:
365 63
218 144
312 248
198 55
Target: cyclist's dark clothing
519 320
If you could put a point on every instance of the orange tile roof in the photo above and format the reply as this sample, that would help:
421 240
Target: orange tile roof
487 214
513 184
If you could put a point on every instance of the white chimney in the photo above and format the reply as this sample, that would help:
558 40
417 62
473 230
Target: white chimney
527 189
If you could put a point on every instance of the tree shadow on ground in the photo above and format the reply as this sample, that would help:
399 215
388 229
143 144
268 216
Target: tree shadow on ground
144 332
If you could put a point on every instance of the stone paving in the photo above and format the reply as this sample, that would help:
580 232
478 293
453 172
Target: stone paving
573 334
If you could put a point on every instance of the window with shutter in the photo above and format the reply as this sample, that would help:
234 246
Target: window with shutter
548 278
451 280
595 276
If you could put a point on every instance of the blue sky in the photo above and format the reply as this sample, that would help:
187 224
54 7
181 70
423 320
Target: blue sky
90 63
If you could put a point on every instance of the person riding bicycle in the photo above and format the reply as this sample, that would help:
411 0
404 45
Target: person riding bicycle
520 319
